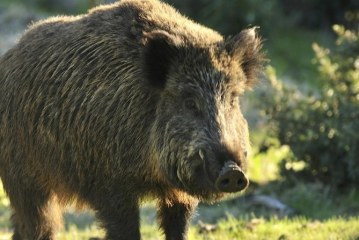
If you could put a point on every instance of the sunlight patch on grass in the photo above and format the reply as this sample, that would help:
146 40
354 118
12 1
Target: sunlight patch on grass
285 229
5 235
151 231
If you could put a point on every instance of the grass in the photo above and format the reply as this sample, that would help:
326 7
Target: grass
232 227
259 228
299 228
242 228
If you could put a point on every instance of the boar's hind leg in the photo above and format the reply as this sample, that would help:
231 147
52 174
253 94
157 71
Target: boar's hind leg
174 219
36 214
119 216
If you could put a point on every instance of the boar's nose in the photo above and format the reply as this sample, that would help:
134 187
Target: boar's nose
231 178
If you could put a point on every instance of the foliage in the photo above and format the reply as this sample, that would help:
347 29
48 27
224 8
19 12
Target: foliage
316 15
230 16
55 6
321 127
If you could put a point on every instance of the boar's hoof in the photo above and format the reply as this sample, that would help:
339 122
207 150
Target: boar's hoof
231 178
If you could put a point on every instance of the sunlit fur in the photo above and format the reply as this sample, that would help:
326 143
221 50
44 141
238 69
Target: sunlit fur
84 118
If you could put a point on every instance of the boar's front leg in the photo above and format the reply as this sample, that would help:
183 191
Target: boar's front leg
174 218
119 216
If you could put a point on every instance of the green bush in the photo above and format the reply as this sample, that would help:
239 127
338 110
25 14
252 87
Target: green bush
231 16
321 126
315 14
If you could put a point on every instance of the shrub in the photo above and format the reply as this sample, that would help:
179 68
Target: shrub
321 126
316 15
230 16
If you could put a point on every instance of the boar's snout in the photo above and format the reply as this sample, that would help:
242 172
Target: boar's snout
231 178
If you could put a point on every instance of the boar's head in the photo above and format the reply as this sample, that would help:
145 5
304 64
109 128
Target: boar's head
199 133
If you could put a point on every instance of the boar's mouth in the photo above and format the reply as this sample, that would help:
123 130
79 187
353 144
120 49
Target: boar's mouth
203 176
194 176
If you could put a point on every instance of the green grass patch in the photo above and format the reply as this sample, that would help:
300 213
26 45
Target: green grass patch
255 228
297 228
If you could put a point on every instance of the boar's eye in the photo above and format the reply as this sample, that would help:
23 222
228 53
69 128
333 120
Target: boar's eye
191 105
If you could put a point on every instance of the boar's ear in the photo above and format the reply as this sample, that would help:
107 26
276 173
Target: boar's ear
160 48
245 48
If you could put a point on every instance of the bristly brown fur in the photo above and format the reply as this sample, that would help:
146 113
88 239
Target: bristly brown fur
115 105
246 47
